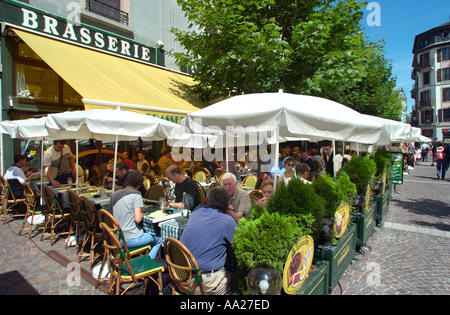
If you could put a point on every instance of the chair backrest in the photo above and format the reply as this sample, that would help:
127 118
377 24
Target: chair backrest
218 172
107 218
250 181
117 253
51 201
74 203
201 193
200 176
30 195
257 193
253 200
196 169
154 192
182 266
5 189
89 213
96 176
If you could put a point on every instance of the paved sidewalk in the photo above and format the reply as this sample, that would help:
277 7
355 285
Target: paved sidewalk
410 254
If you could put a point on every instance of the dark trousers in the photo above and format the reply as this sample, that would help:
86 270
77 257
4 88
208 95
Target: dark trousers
441 168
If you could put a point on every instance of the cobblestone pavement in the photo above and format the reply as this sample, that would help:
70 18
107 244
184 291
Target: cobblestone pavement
410 254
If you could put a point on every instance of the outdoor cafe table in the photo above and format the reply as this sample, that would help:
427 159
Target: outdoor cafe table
170 225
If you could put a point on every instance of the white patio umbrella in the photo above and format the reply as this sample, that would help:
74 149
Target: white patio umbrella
119 125
32 129
394 131
287 115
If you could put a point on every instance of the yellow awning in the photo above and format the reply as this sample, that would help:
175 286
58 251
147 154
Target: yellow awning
104 78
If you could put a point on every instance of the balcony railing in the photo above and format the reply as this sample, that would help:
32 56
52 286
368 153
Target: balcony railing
427 103
108 11
424 64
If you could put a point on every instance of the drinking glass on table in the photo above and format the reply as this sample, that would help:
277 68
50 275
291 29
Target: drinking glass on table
69 181
162 203
88 185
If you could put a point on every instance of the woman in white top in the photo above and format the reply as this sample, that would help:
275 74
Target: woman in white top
289 165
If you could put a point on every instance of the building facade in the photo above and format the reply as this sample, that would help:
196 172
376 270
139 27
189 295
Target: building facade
431 90
68 55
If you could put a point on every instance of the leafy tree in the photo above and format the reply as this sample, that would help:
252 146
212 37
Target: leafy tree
311 47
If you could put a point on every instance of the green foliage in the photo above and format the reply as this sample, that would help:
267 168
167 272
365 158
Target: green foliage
312 47
361 171
347 188
334 192
383 159
299 200
267 239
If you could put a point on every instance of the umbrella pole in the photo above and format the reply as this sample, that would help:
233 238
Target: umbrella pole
334 160
115 163
42 171
76 165
226 156
277 159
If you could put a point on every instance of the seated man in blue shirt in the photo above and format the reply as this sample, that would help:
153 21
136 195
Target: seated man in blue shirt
206 236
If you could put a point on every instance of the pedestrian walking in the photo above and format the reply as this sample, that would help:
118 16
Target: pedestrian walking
441 160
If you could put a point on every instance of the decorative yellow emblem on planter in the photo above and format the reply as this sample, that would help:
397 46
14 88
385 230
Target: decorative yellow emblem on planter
341 219
298 264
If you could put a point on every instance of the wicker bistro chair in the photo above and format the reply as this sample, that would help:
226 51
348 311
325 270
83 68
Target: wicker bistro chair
92 230
124 268
55 215
154 192
108 219
9 201
200 176
201 193
250 181
218 173
76 217
257 193
31 200
183 268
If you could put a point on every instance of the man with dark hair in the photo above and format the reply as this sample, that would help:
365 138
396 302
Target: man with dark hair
206 235
16 176
59 163
333 162
128 209
122 172
183 184
303 171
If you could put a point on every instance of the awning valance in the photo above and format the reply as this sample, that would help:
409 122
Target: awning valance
105 80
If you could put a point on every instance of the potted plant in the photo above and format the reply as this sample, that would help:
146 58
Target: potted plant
268 235
266 238
335 193
361 170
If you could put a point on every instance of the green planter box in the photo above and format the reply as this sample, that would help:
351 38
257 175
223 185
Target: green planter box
382 206
365 223
317 283
339 256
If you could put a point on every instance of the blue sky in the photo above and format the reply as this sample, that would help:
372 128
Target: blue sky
401 21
